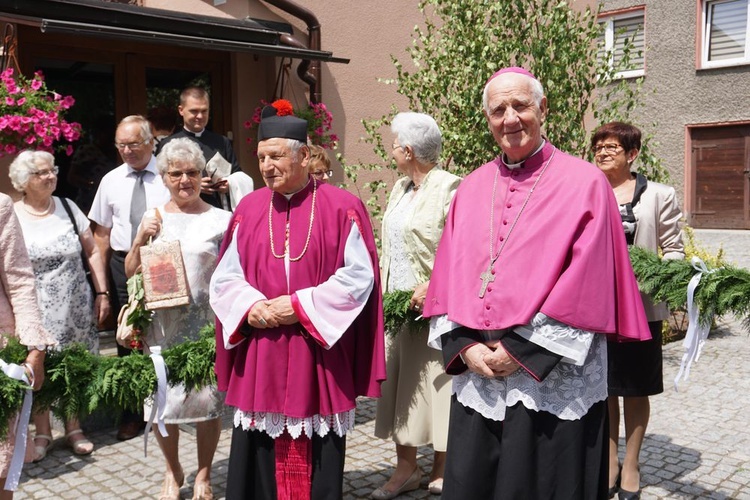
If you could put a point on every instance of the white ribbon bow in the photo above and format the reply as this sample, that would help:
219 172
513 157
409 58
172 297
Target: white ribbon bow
18 372
697 332
159 405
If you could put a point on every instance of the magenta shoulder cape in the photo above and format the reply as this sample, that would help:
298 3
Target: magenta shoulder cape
283 370
566 257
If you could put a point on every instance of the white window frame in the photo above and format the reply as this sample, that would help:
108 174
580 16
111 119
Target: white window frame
706 39
608 20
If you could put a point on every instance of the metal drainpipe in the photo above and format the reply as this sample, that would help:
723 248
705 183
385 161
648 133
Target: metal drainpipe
308 71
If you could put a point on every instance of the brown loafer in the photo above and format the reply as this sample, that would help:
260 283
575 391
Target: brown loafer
128 430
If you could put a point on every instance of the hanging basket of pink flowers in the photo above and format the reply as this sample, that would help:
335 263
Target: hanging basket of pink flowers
31 116
319 121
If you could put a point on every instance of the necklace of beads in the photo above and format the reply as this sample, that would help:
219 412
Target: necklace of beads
288 221
35 213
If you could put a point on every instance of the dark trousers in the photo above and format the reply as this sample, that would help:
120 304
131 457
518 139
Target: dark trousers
252 466
119 298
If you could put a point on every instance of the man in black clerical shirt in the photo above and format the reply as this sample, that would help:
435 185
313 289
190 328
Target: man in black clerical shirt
217 149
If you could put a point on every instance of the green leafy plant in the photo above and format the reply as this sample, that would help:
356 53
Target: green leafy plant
192 363
461 43
140 318
396 313
11 390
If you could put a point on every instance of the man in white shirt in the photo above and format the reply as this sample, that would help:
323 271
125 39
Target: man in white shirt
117 218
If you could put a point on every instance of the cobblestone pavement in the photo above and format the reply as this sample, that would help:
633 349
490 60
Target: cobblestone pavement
697 445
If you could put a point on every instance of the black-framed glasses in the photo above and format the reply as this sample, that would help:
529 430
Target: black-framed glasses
611 149
176 175
48 172
322 174
130 145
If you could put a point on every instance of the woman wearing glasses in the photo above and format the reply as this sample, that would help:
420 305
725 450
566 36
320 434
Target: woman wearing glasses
414 408
199 227
651 219
54 236
320 164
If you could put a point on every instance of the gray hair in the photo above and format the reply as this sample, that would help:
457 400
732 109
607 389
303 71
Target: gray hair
295 147
146 134
537 91
420 132
24 165
181 149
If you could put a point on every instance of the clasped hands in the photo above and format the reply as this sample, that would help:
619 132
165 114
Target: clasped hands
489 359
272 313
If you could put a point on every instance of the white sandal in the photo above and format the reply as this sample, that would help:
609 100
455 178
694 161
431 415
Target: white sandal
40 452
80 447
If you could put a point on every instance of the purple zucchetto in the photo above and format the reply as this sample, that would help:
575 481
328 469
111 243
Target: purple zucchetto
512 69
277 120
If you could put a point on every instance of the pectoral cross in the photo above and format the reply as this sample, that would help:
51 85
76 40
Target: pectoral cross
487 277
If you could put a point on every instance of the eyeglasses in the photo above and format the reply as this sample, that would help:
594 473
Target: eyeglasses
395 146
611 149
130 145
47 173
322 174
176 175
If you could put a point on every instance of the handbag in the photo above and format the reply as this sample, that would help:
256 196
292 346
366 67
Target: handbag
84 259
164 281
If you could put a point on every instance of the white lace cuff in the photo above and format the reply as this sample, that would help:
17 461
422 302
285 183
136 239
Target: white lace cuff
570 343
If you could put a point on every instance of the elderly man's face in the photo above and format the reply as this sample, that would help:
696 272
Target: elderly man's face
132 148
194 114
281 172
514 117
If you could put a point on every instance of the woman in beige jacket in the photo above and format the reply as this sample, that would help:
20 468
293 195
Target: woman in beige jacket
415 404
651 219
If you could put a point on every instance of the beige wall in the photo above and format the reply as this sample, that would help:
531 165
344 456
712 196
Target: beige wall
367 32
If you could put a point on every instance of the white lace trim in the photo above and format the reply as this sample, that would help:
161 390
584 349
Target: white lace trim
567 392
570 343
274 424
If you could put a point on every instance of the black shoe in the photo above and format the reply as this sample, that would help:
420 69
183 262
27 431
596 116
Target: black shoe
614 489
629 495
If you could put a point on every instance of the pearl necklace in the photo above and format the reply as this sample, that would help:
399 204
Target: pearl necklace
286 235
38 214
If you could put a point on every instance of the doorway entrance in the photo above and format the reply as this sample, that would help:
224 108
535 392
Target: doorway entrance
720 165
110 81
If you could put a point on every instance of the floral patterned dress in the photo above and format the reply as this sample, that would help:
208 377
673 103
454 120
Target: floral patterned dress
65 297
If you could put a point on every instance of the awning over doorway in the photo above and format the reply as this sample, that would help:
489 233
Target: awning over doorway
130 22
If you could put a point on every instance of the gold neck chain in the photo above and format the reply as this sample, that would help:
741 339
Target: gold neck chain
288 221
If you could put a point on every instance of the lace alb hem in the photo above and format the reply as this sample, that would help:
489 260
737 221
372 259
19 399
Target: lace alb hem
274 424
568 391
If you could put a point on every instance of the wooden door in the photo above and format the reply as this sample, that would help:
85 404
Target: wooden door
721 165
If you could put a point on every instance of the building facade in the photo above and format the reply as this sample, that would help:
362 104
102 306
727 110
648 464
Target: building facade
696 91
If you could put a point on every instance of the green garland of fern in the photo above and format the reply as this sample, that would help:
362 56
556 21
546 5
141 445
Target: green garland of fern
396 312
723 291
78 382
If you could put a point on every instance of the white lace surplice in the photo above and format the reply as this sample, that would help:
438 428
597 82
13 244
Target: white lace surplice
577 382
